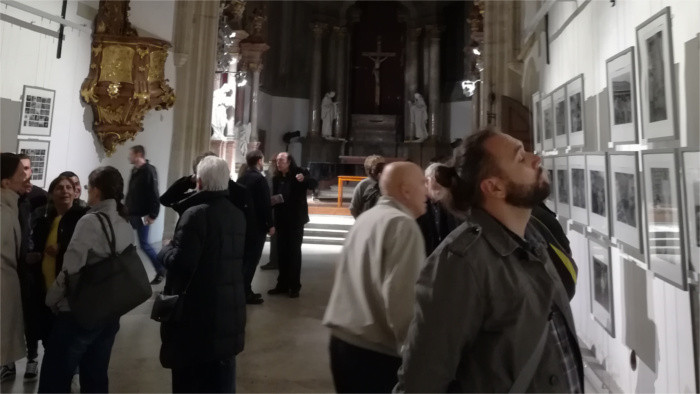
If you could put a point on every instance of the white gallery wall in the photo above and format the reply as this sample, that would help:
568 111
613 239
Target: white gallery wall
29 58
651 317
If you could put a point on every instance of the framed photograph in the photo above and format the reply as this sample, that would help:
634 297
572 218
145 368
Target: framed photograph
601 286
597 182
690 160
37 111
574 111
548 123
561 180
622 98
625 204
536 123
550 202
577 178
38 152
663 209
656 78
561 138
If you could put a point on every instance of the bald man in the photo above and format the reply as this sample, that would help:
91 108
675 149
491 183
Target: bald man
371 304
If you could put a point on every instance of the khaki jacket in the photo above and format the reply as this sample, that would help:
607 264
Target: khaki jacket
483 302
12 322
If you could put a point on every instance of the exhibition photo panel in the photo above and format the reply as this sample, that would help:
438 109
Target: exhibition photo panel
37 111
577 189
561 174
691 194
656 77
548 123
601 286
536 123
561 138
664 232
38 152
622 98
576 117
550 201
598 202
625 204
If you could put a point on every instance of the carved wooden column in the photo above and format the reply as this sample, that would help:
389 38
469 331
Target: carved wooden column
315 96
434 82
341 79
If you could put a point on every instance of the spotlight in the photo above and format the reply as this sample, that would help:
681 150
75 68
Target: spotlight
469 87
476 51
241 78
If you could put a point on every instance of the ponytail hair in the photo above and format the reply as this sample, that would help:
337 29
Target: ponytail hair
110 183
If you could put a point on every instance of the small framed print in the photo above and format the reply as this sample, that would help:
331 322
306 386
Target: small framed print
656 78
601 286
548 123
37 111
597 182
550 201
625 204
536 123
574 111
690 159
577 179
561 175
561 138
663 211
622 98
38 152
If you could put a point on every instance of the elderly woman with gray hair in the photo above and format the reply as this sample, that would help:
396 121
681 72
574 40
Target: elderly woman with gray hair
437 222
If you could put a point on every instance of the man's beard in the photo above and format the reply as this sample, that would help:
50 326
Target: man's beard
527 196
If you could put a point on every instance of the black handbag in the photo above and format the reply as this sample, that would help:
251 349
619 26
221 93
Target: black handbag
110 288
168 307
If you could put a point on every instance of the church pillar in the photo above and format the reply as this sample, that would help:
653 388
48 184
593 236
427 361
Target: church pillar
434 83
411 77
315 96
255 68
341 80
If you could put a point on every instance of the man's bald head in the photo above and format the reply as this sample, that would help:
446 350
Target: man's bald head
405 182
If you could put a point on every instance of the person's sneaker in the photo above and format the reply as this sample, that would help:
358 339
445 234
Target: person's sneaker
159 278
269 266
32 371
8 372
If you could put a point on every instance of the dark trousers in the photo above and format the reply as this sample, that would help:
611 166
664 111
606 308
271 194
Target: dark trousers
72 346
289 241
32 305
251 260
273 248
142 232
358 370
212 377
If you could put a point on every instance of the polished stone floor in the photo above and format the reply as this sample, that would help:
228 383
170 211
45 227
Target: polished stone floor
286 346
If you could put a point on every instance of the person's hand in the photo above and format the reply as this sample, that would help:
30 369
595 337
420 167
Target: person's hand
300 177
147 220
51 250
272 231
166 242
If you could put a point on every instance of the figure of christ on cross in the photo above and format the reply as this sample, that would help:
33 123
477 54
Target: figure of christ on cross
377 57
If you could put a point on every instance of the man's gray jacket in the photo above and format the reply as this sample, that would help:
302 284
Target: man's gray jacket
483 302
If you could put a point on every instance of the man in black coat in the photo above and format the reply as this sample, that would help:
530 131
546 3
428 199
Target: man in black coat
142 201
204 261
291 213
257 186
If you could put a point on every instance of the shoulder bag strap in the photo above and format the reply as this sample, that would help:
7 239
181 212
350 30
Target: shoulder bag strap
528 372
111 241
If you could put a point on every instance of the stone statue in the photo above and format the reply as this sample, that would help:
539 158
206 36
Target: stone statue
329 113
243 138
221 110
419 118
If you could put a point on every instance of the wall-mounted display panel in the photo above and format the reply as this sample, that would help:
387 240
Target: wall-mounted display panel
575 115
38 152
598 202
690 160
577 189
601 286
550 202
561 138
625 204
663 210
548 122
656 78
37 111
561 173
536 123
622 98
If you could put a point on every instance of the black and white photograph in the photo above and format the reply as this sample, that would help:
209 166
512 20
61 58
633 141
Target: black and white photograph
602 305
622 97
548 163
561 186
37 111
597 183
663 211
575 111
625 204
38 152
536 123
577 188
656 76
561 139
547 122
560 117
598 199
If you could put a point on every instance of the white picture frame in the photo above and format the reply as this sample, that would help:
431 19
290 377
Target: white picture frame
602 303
656 78
622 97
536 123
550 201
598 196
575 111
38 152
625 200
547 123
690 160
37 111
561 137
577 189
663 211
562 193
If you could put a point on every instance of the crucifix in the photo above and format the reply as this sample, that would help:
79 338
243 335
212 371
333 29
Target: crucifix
377 57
